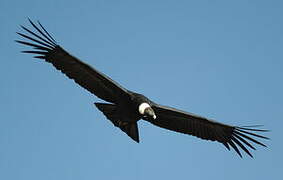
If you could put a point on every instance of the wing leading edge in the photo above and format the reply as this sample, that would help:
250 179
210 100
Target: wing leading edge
89 78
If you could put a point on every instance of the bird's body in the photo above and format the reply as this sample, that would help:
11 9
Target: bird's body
126 114
125 108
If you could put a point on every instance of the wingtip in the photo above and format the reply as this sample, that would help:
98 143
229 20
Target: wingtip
253 129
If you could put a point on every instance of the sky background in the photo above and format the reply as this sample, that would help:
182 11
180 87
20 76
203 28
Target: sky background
219 59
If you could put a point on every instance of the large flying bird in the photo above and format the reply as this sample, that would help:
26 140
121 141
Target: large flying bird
126 108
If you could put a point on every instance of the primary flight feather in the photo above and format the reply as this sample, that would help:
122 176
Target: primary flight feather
126 108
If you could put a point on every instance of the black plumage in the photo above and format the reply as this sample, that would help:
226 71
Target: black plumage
126 108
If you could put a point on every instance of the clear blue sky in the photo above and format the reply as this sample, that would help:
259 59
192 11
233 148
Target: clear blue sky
219 59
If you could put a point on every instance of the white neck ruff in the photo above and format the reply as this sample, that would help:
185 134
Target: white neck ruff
142 107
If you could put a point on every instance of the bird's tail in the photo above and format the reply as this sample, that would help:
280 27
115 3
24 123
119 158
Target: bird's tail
110 111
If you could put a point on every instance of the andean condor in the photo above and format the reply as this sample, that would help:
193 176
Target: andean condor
126 108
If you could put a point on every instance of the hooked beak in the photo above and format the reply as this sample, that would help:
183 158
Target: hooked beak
149 113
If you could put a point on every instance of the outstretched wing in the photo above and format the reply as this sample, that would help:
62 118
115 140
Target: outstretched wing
230 136
94 81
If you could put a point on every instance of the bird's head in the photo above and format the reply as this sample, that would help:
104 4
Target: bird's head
146 110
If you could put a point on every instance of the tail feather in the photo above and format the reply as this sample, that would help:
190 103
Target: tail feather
110 111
